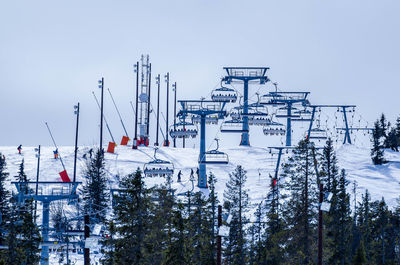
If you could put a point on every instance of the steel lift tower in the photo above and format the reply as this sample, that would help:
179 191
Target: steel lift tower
47 192
144 100
202 108
287 100
246 75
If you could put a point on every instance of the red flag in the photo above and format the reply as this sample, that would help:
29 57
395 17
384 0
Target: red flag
111 147
64 176
274 181
124 140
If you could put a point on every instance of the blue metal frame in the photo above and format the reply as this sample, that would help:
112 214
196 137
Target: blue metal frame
202 108
46 200
288 98
245 74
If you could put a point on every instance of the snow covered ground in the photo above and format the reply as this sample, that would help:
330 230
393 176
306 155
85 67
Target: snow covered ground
258 162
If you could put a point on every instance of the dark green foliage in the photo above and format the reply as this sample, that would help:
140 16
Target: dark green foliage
377 150
329 168
360 257
237 203
339 223
300 209
95 196
4 196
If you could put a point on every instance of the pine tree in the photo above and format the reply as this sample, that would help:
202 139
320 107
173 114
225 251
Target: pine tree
237 203
131 220
340 222
274 231
329 165
360 257
95 197
377 150
364 222
300 209
392 140
4 196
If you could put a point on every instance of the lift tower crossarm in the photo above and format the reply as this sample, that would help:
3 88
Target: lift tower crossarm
202 108
245 75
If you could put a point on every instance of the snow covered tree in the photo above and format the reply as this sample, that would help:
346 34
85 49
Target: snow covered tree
393 140
377 150
95 196
4 195
329 165
237 203
300 209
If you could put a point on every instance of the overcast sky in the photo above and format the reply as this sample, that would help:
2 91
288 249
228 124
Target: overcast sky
53 52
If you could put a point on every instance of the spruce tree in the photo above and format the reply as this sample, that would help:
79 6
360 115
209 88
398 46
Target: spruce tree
340 222
237 203
300 209
95 196
360 257
329 165
131 221
377 150
364 222
4 196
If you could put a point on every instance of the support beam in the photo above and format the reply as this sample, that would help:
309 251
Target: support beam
289 125
202 166
44 260
347 132
245 141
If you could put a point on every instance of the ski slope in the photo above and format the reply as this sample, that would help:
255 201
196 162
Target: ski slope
381 181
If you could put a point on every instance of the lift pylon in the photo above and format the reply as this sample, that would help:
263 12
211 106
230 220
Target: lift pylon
245 75
202 109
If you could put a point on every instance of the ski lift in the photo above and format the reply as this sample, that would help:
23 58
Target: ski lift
158 167
304 115
283 113
274 128
210 119
183 129
224 94
232 126
214 156
260 120
318 134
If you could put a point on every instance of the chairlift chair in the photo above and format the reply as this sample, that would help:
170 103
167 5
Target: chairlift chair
183 129
317 134
158 167
214 156
224 94
232 126
210 119
304 115
274 128
282 113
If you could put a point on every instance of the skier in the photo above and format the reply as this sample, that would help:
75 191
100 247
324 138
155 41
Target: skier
179 176
90 152
19 148
55 153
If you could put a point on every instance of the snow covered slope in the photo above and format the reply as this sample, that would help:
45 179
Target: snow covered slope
258 162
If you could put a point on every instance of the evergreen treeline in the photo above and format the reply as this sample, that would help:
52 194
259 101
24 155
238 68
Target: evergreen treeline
384 136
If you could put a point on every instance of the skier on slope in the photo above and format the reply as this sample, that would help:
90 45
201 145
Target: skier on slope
55 153
179 176
19 148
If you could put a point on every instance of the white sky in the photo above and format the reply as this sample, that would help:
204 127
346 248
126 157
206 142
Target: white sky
53 52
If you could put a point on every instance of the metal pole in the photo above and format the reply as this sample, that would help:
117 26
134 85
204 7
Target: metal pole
166 142
347 132
45 233
147 139
135 143
174 85
289 125
55 145
76 139
119 114
278 163
245 135
202 166
104 118
219 238
321 198
101 113
158 108
37 180
87 235
311 122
